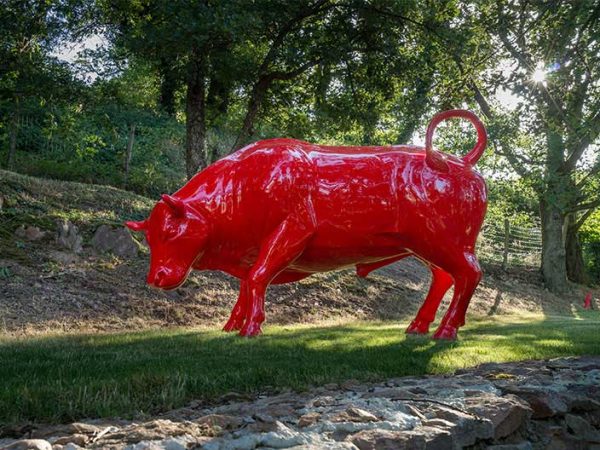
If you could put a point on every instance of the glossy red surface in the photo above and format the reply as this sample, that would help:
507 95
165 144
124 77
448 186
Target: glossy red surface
587 301
280 210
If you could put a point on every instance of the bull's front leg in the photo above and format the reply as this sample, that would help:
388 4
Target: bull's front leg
238 313
279 250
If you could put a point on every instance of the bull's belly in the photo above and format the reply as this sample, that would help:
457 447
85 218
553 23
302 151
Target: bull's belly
324 258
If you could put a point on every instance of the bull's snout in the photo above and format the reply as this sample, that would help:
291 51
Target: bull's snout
160 278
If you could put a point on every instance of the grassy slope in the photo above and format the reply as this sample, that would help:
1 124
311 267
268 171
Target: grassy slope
62 378
34 201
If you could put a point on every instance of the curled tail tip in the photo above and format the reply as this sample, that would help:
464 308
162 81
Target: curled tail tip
436 160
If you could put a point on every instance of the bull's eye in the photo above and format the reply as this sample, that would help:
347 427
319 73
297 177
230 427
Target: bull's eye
171 231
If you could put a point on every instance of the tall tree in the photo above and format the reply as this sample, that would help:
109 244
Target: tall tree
553 52
29 30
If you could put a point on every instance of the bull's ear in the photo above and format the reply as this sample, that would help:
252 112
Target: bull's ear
175 203
136 226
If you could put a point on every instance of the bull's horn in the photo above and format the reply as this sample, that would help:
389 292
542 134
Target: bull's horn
136 226
175 203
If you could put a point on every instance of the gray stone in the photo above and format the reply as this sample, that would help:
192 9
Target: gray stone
467 429
66 430
67 236
353 414
308 419
424 438
77 439
507 414
63 258
223 421
581 429
543 403
29 233
118 241
29 444
525 445
386 440
323 401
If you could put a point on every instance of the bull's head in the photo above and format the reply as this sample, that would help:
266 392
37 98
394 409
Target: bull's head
176 233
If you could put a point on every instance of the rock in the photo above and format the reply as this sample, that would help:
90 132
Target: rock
29 444
63 430
70 446
308 419
525 445
68 236
581 429
282 437
165 444
466 428
323 401
507 413
543 403
63 258
233 397
118 241
153 431
223 421
425 438
279 410
350 385
353 414
583 404
29 233
77 439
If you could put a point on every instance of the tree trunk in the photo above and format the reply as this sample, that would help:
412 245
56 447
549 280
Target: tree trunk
128 153
195 145
554 268
168 86
256 98
14 132
574 252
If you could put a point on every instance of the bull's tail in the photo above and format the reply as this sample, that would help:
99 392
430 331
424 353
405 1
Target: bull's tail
436 160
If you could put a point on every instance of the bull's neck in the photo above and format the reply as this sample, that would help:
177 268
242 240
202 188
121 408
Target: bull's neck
209 189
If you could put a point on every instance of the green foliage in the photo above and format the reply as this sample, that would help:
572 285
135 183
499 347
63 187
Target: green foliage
590 239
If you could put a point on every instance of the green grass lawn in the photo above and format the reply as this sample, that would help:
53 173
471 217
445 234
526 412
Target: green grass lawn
68 377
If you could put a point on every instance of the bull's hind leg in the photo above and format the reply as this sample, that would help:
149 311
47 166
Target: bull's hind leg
363 270
238 313
466 272
440 283
281 248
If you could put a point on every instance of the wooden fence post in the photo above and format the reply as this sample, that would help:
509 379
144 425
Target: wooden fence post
506 244
128 153
13 132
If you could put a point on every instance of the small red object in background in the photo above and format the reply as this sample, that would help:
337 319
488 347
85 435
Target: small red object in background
280 210
587 303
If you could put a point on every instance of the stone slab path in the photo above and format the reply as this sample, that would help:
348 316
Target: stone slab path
551 404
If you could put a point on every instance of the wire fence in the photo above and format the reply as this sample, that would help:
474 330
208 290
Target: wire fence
510 245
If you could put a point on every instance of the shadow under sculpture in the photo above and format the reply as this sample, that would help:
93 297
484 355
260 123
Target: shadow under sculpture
280 210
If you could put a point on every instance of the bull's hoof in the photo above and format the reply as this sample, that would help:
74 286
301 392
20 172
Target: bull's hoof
250 329
446 332
418 327
233 324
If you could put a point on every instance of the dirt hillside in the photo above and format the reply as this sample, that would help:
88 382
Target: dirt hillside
45 287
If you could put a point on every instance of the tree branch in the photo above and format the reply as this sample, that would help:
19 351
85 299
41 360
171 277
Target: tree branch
583 218
583 206
593 130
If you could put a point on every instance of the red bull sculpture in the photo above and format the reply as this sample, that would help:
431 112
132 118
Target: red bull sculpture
280 210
